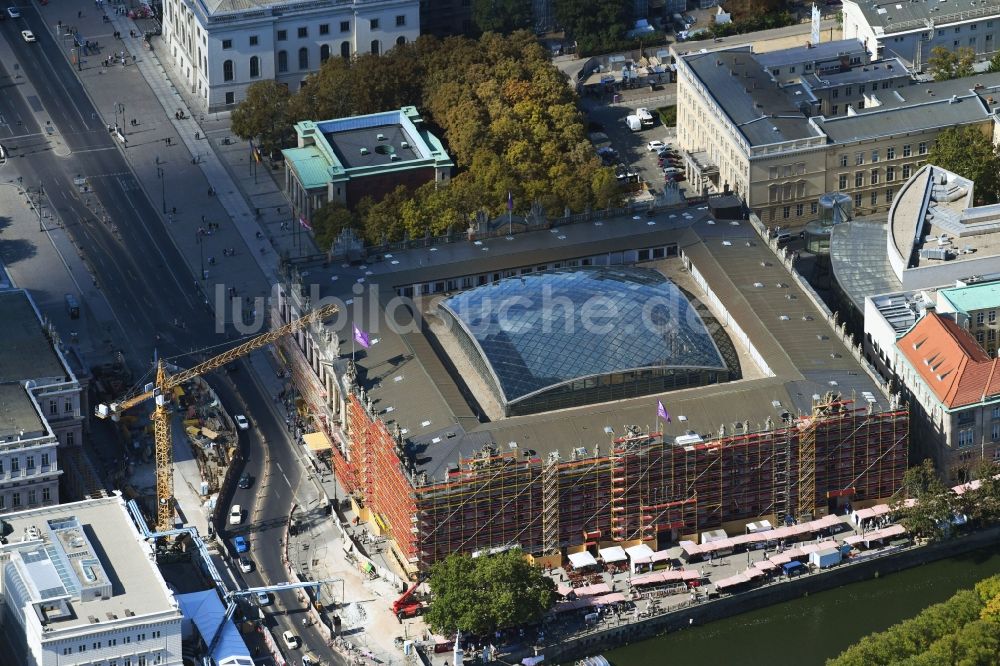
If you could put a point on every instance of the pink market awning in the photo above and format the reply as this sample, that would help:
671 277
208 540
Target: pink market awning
562 589
765 565
607 599
780 559
738 579
592 590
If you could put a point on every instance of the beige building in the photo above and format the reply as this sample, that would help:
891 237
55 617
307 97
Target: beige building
747 124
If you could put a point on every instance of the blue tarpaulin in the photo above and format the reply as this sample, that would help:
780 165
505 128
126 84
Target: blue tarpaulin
205 609
792 567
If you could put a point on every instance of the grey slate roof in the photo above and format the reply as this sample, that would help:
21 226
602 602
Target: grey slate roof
877 121
906 15
752 100
822 52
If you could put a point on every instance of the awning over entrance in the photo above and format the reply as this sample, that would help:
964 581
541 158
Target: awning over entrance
317 442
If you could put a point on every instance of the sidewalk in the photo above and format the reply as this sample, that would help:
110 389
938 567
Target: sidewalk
193 160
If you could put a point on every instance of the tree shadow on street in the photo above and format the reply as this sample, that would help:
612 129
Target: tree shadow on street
15 249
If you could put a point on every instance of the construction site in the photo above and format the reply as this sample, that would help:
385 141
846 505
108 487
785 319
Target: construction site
632 452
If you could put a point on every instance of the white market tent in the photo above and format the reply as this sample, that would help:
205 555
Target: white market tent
613 554
639 554
582 560
206 611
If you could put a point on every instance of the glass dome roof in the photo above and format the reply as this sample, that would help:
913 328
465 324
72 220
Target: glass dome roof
540 330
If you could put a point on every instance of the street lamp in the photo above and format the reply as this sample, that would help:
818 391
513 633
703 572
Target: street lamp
201 255
163 191
117 105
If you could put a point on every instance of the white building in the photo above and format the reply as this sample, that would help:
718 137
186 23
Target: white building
220 47
80 587
911 29
29 462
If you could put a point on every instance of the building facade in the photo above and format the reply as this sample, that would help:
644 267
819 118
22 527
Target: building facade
219 47
780 144
347 159
955 391
80 587
912 30
42 406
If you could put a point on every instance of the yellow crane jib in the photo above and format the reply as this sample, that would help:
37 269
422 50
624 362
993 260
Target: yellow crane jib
160 390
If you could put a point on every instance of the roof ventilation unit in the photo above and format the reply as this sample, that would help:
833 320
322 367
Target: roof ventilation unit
404 145
380 137
364 151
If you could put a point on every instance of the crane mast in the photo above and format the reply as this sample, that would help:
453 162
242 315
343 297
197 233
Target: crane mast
160 391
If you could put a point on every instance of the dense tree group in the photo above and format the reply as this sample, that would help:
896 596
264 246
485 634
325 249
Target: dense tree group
932 515
969 152
597 26
479 595
507 117
944 63
963 630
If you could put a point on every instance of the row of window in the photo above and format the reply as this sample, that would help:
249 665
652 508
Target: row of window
31 496
859 200
849 90
229 66
967 436
112 642
890 154
54 407
875 175
981 319
324 29
29 462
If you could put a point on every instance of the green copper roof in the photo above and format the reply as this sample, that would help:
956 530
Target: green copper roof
310 165
974 297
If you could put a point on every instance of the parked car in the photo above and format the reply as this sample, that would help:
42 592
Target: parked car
654 146
291 640
240 544
246 565
241 422
236 515
263 599
245 481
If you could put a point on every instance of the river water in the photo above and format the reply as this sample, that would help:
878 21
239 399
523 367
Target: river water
811 629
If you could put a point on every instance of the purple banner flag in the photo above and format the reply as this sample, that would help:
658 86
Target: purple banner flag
361 337
662 412
510 201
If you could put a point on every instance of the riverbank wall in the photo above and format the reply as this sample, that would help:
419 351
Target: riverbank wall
610 637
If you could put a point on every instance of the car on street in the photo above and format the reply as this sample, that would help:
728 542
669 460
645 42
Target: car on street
655 146
241 422
309 659
28 36
263 599
291 640
13 12
240 544
245 481
236 515
246 564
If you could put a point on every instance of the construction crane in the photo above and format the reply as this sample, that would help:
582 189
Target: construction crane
161 416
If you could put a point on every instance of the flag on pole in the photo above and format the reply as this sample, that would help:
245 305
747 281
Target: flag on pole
510 201
662 412
361 337
305 224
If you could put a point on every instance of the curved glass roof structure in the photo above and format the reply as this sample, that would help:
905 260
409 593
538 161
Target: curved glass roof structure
537 331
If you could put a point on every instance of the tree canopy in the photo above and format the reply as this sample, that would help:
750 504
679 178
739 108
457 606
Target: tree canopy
504 111
598 26
944 64
965 629
263 115
970 153
503 16
930 515
479 595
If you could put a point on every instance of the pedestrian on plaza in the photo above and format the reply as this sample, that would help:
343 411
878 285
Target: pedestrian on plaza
175 210
79 14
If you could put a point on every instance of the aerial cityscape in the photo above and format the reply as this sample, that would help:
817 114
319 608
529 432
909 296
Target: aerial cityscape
443 332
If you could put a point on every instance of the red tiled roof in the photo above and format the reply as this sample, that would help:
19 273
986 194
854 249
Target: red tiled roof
950 361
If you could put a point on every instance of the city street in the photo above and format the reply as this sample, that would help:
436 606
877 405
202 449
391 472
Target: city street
53 135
